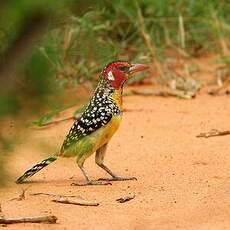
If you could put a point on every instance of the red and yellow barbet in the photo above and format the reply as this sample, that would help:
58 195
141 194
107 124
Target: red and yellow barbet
98 123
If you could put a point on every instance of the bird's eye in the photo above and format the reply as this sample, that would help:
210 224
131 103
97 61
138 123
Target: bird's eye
124 68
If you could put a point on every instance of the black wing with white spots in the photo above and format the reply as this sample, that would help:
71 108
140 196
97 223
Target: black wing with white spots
97 114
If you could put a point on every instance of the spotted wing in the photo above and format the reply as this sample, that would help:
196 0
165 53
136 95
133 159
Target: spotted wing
94 117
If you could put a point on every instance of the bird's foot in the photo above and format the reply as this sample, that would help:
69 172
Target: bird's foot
92 182
117 178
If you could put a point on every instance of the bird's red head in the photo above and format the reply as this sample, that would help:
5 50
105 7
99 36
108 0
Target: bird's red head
119 71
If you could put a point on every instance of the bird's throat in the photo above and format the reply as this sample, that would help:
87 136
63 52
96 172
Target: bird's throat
117 97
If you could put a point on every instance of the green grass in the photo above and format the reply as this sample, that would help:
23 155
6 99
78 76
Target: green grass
113 31
76 46
82 37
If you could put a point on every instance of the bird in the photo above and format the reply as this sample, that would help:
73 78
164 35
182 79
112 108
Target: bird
101 118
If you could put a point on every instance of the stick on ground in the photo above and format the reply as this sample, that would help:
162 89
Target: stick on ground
126 198
164 93
37 219
55 195
213 133
22 195
68 200
51 194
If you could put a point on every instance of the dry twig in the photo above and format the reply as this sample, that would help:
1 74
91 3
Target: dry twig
217 91
126 198
164 93
223 80
49 194
213 133
68 200
54 195
22 195
182 31
148 41
78 200
36 219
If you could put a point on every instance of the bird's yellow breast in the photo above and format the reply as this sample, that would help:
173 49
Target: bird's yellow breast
105 133
90 143
117 97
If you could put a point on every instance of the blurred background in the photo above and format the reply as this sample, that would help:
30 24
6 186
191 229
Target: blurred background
52 51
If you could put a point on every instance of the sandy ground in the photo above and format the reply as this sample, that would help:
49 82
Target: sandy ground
183 181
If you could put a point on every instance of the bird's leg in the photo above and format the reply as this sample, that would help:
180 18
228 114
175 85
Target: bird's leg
88 181
99 159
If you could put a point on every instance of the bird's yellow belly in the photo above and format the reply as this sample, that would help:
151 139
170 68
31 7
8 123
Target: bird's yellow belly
108 131
89 144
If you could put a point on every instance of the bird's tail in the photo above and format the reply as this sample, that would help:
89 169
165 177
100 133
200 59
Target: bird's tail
36 168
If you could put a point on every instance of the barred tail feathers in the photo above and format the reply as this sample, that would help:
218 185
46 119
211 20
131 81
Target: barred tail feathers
36 168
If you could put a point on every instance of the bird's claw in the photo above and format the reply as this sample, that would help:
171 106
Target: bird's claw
117 178
93 182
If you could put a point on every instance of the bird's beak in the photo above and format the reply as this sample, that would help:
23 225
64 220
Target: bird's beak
137 68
